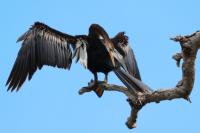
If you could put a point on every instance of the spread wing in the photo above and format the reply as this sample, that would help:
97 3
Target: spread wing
43 45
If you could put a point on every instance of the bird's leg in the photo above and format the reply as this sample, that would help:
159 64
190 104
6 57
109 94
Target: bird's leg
106 78
95 78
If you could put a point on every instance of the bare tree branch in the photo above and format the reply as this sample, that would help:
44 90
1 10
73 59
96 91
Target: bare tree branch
189 48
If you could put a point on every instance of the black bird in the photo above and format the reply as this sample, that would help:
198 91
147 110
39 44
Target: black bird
43 45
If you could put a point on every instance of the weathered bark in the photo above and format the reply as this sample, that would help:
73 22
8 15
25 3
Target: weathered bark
189 48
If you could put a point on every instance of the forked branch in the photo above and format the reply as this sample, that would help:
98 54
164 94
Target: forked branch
190 45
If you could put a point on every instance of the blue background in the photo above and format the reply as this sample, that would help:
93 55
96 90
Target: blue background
49 103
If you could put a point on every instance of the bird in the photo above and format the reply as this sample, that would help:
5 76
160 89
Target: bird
97 52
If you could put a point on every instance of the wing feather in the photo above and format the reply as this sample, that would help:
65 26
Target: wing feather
42 45
129 62
130 76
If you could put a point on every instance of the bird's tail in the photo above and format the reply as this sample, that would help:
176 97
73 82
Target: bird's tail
134 85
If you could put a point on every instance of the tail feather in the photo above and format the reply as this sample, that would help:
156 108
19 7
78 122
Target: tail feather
133 84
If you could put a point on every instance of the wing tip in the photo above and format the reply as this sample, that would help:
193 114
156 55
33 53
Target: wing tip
36 24
11 88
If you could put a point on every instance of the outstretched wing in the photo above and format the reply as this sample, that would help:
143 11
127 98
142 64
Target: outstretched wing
43 45
120 42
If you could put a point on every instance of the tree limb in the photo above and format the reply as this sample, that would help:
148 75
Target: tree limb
190 45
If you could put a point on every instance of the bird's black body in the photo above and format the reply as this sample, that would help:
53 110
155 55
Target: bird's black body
98 58
43 45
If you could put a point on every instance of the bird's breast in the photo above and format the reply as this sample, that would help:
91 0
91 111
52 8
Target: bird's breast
98 59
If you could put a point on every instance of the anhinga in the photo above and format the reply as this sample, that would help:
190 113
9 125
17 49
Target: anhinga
43 45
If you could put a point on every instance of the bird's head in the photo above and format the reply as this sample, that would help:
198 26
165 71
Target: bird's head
97 31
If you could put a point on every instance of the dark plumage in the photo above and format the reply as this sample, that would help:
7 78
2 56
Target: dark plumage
42 45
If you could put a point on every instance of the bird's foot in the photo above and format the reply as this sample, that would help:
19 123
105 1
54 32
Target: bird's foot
93 86
92 83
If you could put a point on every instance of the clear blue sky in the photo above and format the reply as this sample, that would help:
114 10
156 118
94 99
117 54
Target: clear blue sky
49 103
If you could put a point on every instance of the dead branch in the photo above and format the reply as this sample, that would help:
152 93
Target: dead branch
190 45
